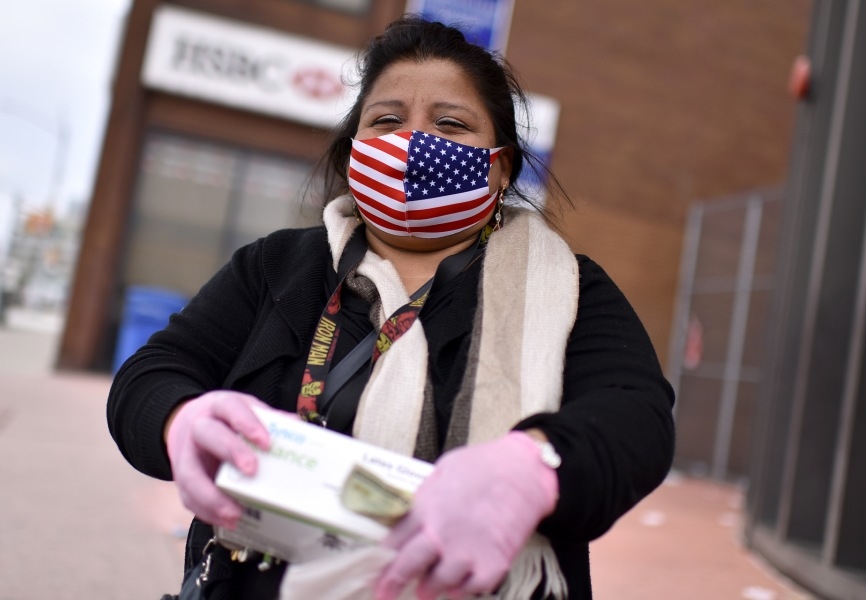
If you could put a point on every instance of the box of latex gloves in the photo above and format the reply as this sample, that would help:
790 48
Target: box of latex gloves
317 492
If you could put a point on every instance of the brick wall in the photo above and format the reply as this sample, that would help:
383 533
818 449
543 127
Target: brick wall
663 103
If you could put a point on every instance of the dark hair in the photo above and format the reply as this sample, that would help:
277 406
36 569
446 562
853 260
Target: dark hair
415 39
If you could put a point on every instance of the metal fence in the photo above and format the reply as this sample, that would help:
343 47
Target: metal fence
718 338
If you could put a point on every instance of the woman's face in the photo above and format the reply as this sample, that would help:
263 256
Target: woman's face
435 97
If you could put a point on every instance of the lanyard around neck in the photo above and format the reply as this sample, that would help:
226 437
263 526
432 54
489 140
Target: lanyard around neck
321 383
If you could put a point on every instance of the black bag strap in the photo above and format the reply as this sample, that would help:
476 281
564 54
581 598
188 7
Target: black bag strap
345 370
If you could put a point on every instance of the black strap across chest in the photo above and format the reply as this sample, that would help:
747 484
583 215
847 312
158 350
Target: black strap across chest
322 382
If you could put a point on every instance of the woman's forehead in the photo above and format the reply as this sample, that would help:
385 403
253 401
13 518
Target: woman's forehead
435 80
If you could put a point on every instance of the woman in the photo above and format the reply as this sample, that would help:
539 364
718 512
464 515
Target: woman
520 369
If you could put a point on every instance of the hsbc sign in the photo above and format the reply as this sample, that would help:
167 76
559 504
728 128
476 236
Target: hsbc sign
253 68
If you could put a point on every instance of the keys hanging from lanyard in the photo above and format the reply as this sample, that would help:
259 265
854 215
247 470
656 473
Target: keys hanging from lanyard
314 401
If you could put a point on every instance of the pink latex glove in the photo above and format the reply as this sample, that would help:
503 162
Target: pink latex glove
470 518
203 434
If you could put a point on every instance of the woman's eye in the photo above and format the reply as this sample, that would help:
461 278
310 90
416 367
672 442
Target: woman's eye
451 123
386 120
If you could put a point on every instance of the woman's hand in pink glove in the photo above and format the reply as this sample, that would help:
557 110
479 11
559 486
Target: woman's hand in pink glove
201 434
470 518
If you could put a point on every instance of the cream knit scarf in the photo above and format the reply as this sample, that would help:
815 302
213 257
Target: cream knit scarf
527 308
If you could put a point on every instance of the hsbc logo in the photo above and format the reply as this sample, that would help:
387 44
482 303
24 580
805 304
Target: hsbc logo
247 67
317 83
269 73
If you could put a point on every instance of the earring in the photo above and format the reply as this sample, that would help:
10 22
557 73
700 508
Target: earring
499 204
356 212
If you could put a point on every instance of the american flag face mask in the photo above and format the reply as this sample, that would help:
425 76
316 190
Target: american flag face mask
417 184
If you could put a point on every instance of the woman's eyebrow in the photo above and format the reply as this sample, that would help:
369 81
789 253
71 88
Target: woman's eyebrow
384 104
400 104
452 106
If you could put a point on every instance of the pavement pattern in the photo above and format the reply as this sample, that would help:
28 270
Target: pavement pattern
78 522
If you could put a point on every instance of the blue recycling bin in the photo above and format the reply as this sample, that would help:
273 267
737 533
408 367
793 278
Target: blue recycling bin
145 311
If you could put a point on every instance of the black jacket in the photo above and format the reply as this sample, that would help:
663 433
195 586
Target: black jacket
249 329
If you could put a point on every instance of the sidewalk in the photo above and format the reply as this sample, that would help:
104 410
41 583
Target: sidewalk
683 542
78 522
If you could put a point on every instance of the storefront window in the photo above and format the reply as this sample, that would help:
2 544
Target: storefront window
197 202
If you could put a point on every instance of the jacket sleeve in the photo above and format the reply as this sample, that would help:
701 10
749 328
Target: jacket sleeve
191 356
614 430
